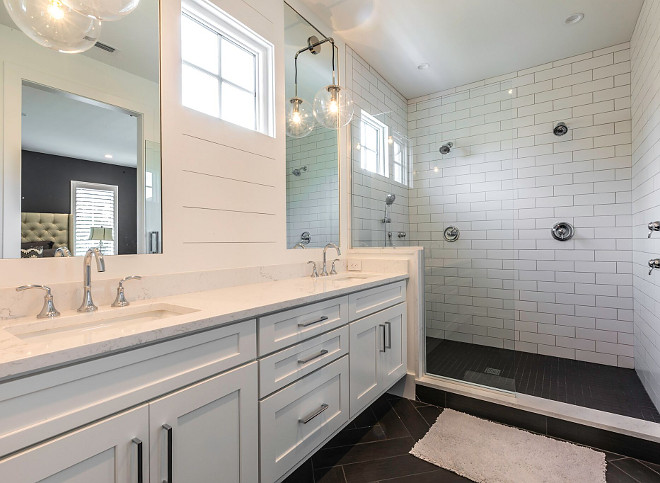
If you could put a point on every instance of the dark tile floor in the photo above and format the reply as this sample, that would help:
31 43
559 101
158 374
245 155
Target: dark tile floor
375 446
613 389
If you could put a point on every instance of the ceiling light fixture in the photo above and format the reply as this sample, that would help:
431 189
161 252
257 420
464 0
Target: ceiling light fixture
575 18
424 66
108 156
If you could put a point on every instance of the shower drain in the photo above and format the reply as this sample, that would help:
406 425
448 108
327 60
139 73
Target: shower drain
493 371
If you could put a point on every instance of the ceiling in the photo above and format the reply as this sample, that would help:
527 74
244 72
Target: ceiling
469 40
135 38
59 123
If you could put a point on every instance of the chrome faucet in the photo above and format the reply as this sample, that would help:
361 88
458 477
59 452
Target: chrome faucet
87 303
324 271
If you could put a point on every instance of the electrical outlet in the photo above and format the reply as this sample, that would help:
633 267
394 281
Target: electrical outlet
354 265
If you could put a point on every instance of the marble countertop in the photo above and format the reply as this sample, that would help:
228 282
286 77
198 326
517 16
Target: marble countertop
21 354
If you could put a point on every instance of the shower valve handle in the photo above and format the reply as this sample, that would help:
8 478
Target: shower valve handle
654 263
653 226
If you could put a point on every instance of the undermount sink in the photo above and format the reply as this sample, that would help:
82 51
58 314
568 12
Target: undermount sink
84 323
352 276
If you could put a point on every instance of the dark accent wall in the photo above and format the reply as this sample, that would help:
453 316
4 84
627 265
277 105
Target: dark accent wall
46 188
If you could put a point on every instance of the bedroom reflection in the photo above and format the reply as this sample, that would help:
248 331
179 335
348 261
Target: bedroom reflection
81 142
79 186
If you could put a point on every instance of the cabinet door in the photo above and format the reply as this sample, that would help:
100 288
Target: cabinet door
103 452
393 360
366 344
208 431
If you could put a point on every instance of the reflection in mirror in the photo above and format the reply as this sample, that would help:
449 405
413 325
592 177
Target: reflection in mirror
82 142
312 162
381 159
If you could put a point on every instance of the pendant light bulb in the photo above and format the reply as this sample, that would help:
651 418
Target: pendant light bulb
299 118
333 106
53 24
103 9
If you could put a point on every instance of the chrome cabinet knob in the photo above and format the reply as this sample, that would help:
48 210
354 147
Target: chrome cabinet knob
48 311
120 299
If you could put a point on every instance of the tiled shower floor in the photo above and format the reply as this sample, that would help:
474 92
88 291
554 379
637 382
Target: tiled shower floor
595 386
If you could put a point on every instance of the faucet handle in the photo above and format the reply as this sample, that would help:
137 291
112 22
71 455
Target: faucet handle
315 272
48 311
120 300
654 263
333 271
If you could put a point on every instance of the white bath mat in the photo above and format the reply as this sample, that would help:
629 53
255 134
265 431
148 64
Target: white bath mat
489 452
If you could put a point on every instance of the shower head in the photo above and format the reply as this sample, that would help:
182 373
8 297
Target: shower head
446 148
560 129
389 199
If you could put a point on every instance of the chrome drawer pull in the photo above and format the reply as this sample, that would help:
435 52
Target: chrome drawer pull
384 349
389 333
312 415
307 324
312 357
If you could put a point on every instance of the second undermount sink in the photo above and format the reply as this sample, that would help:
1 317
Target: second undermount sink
346 277
43 330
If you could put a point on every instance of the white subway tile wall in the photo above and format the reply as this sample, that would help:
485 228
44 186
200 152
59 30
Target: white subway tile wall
506 282
645 49
312 199
368 190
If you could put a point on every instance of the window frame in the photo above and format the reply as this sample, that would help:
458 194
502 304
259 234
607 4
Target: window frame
101 187
225 26
382 155
399 141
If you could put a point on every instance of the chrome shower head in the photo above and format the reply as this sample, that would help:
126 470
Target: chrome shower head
446 148
389 199
560 129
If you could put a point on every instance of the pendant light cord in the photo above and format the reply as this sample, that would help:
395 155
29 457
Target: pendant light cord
309 48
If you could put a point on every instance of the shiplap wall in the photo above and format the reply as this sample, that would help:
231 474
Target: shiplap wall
379 98
645 47
506 282
312 199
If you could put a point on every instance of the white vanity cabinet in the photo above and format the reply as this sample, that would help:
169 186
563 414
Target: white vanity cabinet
244 402
109 451
206 430
377 355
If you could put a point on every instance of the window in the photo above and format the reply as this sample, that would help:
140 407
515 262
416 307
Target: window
227 70
399 160
373 156
93 206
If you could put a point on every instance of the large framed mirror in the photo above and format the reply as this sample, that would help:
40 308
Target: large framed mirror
81 138
312 161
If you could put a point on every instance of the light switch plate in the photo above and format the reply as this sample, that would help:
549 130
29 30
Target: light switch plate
354 265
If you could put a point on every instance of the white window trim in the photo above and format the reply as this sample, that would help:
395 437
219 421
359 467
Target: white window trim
403 143
225 25
383 165
98 186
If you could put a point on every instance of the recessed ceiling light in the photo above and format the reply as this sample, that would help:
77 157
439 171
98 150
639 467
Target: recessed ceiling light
108 156
575 18
424 66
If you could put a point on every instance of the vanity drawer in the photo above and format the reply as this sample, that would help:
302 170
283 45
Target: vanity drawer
280 330
298 419
374 300
38 407
288 365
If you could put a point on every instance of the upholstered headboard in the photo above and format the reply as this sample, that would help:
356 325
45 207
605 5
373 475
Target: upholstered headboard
53 227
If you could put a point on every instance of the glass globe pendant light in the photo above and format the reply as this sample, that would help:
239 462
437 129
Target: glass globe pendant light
52 24
333 105
103 9
299 118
